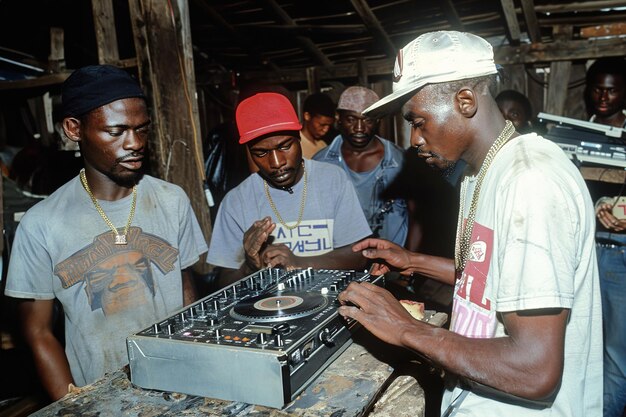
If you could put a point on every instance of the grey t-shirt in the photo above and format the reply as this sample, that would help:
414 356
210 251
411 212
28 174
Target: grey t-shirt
332 215
63 249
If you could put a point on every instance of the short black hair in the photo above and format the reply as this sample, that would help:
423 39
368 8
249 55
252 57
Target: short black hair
319 104
518 97
611 65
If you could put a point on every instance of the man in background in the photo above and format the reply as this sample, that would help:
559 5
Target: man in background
605 95
371 162
292 212
516 107
318 117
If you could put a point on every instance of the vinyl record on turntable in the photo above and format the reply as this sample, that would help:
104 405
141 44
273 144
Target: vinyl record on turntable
285 306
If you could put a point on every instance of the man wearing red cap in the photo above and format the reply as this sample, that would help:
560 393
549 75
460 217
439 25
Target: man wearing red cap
293 212
525 334
371 162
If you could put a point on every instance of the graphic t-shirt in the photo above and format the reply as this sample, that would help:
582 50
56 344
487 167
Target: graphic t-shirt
332 215
532 247
63 249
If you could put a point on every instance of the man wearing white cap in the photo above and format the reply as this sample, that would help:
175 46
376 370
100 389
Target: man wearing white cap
371 163
525 336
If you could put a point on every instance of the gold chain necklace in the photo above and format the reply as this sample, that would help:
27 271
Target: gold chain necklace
275 210
120 239
464 234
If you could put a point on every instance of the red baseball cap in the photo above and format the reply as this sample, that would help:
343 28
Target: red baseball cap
265 113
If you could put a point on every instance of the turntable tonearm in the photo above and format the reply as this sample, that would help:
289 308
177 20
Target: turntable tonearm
261 340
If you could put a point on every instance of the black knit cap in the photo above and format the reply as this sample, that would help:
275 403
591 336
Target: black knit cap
93 86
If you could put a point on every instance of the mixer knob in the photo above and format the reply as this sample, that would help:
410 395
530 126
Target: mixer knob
326 338
216 305
333 288
281 286
218 333
309 272
156 328
192 312
261 339
278 340
170 329
212 321
182 317
281 328
324 290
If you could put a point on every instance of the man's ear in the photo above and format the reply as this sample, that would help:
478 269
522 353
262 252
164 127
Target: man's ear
466 102
71 128
306 115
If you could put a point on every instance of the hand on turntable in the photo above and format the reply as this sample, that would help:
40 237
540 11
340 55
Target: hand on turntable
378 311
279 256
255 241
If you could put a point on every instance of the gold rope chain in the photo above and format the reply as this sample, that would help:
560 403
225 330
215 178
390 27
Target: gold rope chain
462 246
275 210
120 239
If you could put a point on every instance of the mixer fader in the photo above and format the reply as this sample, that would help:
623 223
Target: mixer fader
261 340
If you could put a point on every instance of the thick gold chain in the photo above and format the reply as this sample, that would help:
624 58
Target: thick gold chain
120 239
275 210
464 234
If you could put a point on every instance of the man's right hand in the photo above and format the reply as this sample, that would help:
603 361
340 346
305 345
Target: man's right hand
255 240
388 255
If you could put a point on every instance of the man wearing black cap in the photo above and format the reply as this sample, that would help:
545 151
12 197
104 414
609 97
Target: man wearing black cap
525 335
109 245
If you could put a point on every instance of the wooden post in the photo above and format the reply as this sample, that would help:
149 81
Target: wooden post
313 80
106 37
165 59
559 75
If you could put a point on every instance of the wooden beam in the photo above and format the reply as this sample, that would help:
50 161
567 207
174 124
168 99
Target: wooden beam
560 51
451 14
163 43
39 82
615 29
510 16
373 24
532 25
56 58
306 43
579 6
381 67
106 35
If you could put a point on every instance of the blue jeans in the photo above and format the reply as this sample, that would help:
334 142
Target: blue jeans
612 266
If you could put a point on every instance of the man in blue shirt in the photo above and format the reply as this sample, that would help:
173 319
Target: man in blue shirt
370 162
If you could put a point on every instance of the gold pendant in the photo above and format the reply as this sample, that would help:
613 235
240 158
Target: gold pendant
120 239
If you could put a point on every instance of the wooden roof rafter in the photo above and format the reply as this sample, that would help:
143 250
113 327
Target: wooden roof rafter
451 14
239 38
374 25
532 26
510 16
306 42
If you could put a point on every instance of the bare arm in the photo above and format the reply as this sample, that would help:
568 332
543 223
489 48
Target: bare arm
48 354
189 287
528 363
389 256
340 258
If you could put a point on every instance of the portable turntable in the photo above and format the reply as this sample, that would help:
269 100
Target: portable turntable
261 340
